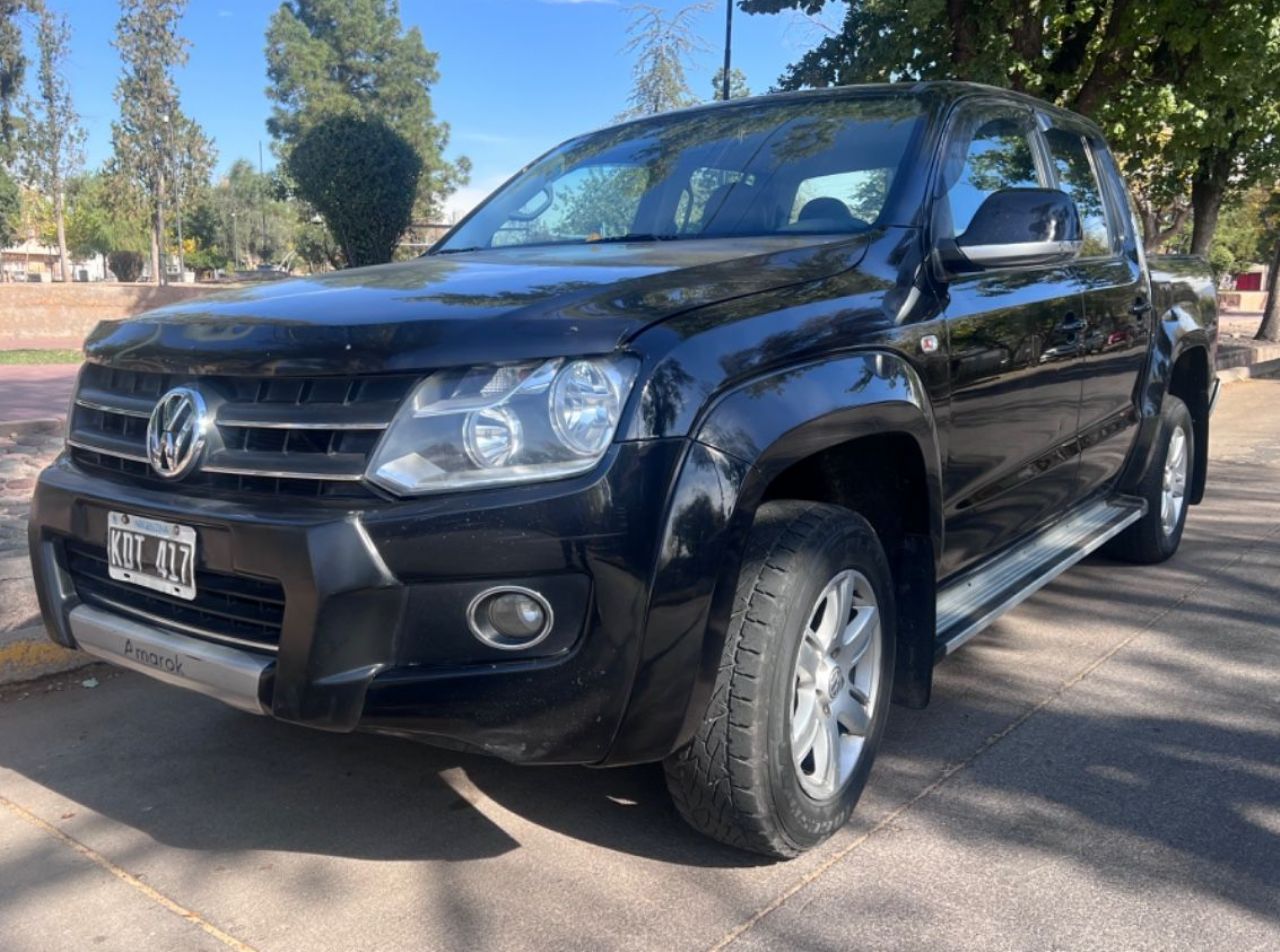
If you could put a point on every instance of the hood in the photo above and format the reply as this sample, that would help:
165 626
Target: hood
451 310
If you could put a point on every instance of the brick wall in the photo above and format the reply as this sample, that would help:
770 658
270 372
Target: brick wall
47 315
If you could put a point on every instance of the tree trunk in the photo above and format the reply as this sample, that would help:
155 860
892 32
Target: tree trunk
1270 329
963 42
157 238
60 220
1207 189
155 255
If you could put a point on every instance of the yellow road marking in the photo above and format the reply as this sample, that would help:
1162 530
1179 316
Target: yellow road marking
32 654
127 877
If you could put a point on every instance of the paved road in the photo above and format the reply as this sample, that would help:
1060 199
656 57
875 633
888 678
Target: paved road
1101 769
35 391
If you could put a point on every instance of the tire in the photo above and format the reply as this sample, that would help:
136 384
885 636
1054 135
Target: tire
741 779
1154 538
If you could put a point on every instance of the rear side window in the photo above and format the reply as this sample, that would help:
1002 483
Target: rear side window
862 193
1077 178
1000 155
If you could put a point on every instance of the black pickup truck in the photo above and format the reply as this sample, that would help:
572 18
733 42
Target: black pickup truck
700 441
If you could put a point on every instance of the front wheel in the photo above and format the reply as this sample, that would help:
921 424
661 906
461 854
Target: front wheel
802 695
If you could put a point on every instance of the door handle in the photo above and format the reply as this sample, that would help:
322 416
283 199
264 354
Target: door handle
1141 307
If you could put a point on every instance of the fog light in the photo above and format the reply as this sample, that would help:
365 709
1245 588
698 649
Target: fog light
510 618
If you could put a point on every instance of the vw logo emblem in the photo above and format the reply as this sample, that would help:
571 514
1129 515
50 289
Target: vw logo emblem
176 432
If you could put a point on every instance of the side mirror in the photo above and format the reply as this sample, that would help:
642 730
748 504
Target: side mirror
1018 228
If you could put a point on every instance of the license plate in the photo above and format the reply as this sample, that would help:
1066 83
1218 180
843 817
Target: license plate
151 553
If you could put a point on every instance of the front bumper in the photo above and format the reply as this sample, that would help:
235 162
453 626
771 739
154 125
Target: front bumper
374 635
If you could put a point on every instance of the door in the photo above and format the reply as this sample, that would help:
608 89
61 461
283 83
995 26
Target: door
1118 316
1014 339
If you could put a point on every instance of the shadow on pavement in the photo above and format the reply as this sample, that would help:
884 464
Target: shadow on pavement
1183 790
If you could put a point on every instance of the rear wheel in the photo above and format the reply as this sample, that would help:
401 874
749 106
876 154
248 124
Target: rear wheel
1156 536
802 695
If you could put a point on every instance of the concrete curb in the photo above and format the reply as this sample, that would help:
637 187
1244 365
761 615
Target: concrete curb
27 655
1261 368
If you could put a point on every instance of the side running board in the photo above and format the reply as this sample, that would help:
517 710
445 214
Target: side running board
980 596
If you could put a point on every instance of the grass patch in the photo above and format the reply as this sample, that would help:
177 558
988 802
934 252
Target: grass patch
40 356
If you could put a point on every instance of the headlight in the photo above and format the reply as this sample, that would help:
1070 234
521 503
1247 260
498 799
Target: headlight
491 426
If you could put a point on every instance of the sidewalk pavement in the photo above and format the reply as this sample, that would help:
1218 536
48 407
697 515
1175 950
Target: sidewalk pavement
35 392
25 652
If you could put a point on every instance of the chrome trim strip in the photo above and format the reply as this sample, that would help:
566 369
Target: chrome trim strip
162 622
233 677
141 458
284 474
1062 539
118 411
284 425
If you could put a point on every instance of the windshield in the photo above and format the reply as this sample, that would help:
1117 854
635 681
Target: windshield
809 166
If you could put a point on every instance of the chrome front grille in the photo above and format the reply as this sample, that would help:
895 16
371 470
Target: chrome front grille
284 435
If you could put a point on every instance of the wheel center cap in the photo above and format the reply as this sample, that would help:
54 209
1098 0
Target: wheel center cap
835 683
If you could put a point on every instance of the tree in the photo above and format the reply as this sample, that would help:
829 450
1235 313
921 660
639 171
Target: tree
53 141
361 175
257 221
330 57
1164 80
152 137
10 210
13 65
738 88
106 213
1269 228
662 46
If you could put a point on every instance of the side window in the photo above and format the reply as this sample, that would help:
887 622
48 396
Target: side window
999 153
862 193
1076 177
589 202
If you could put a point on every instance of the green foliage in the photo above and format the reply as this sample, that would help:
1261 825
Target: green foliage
13 65
361 175
163 151
331 57
1242 238
125 265
256 221
662 45
105 213
26 356
1188 92
738 88
53 140
10 210
315 246
202 234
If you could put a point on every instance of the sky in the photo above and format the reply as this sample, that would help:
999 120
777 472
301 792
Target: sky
516 76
